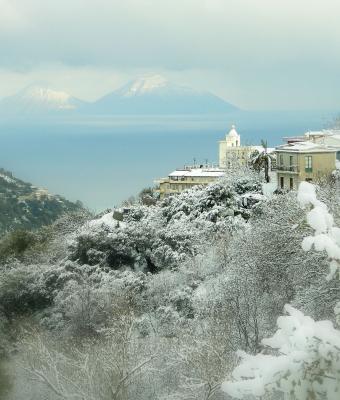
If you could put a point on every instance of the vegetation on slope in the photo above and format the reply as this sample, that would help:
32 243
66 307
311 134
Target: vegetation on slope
156 305
24 206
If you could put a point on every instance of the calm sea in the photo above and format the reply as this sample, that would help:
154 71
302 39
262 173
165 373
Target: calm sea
103 160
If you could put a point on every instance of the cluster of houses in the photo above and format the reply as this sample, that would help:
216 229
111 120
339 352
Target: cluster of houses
310 157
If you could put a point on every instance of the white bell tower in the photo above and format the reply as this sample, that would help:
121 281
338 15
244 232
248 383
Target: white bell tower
233 139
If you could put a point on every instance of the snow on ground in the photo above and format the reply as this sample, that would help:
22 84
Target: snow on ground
95 225
7 178
269 188
106 220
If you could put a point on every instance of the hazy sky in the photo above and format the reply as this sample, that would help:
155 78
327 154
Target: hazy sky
273 54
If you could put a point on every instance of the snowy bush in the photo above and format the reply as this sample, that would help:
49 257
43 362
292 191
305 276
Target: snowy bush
166 234
305 359
308 366
22 290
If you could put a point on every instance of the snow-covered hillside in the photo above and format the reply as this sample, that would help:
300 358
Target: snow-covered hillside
169 295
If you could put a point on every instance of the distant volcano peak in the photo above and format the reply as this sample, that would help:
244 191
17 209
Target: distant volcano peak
39 99
144 85
47 96
148 95
155 95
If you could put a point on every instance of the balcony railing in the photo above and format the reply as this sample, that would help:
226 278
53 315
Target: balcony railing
288 168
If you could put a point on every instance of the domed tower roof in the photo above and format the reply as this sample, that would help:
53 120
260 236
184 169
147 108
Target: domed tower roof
233 133
233 139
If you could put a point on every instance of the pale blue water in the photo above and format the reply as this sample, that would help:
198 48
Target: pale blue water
102 161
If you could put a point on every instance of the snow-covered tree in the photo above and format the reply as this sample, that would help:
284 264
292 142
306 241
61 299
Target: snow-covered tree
262 160
302 359
162 236
103 370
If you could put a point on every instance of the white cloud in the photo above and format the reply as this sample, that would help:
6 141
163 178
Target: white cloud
11 18
263 51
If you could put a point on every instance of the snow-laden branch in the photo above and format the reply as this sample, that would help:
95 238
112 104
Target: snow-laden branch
304 359
326 236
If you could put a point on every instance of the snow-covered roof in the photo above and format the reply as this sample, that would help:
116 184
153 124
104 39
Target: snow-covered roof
105 220
260 149
323 132
305 147
198 172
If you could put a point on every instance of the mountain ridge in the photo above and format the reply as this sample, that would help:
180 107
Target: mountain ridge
146 95
157 95
37 99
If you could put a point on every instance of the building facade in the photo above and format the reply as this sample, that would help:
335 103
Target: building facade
231 153
328 137
186 178
303 161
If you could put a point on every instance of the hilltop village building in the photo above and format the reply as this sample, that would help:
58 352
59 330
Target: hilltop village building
327 137
299 161
186 178
310 157
231 152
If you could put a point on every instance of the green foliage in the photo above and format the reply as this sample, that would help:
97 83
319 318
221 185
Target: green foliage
24 206
99 249
147 197
21 291
16 243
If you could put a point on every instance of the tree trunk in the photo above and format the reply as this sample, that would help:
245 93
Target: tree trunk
266 170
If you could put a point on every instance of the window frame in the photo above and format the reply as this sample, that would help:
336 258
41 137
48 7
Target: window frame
308 164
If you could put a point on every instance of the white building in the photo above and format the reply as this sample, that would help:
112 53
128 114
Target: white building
231 153
186 178
327 137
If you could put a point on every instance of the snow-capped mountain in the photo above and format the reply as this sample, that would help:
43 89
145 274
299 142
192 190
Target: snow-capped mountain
156 95
143 86
150 95
39 100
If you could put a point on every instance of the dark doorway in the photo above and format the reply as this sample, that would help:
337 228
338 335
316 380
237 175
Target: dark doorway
282 182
